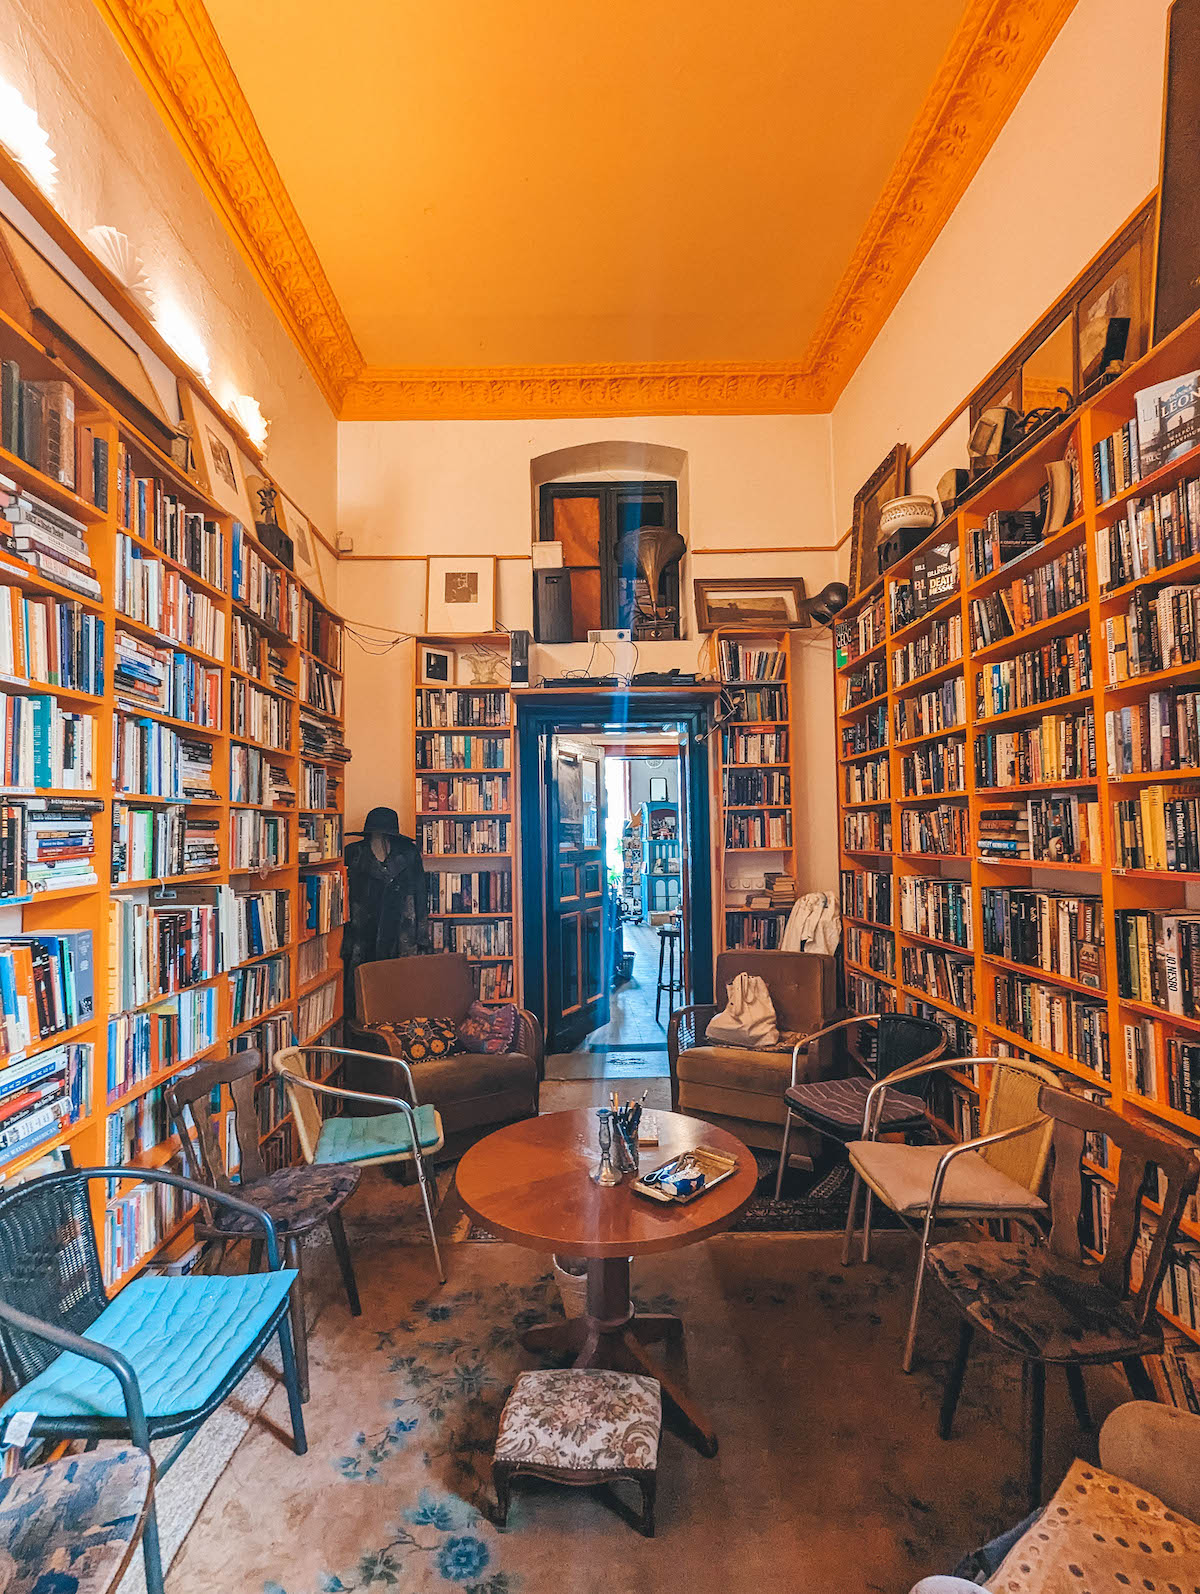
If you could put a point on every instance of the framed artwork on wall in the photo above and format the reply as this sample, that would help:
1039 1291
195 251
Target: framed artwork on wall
769 603
436 666
460 594
888 480
218 463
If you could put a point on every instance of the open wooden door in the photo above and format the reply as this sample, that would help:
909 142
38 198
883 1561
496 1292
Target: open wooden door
578 980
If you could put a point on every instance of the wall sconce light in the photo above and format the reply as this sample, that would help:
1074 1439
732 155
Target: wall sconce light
250 418
179 330
26 140
115 251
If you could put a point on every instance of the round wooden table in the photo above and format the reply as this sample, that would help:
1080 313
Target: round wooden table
531 1183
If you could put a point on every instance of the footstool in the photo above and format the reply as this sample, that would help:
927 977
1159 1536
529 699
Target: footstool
580 1427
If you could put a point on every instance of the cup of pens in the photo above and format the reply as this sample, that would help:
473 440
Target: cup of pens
625 1121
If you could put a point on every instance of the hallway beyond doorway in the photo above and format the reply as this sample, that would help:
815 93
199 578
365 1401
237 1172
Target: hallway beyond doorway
631 1045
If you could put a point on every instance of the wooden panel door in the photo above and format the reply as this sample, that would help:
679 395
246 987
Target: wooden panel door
579 982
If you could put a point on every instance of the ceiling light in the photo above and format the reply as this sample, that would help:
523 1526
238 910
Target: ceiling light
179 330
26 139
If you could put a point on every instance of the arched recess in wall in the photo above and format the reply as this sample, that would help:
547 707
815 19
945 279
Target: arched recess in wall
615 460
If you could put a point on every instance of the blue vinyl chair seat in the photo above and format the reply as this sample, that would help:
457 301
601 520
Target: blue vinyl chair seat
183 1337
365 1139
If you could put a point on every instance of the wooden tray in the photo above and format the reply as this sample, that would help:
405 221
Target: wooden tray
714 1165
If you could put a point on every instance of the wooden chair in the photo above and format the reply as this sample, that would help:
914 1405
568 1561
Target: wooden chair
835 1108
298 1199
73 1525
1049 1304
996 1176
405 1132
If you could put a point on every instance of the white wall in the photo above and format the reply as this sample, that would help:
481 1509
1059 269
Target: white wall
1077 157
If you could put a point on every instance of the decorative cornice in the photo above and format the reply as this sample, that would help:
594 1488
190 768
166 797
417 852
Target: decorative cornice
176 51
995 51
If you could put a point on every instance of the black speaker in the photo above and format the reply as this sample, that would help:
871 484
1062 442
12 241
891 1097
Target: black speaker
552 606
519 654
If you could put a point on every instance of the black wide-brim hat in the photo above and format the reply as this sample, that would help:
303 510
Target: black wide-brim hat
380 821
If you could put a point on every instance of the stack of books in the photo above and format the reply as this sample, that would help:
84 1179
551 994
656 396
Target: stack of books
49 539
1003 833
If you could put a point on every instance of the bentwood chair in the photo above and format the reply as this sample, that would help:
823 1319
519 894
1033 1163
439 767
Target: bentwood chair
153 1362
1048 1303
835 1107
406 1132
995 1176
73 1525
299 1199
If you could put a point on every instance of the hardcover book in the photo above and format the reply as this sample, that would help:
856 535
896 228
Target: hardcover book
1167 420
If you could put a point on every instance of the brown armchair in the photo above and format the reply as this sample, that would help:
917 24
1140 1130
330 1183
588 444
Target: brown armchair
472 1093
739 1089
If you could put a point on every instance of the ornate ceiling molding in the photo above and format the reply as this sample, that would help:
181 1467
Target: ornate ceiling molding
994 53
175 50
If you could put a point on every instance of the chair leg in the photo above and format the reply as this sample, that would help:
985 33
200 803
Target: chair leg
848 1241
662 952
649 1485
954 1379
1139 1378
914 1315
337 1233
866 1246
437 1255
1037 1430
291 1251
502 1481
783 1153
292 1382
152 1551
1079 1398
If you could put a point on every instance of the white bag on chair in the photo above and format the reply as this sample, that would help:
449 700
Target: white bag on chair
748 1017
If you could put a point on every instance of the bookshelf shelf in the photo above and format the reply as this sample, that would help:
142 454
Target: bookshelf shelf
1041 553
1008 647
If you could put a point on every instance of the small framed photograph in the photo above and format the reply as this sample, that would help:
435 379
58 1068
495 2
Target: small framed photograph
658 789
437 666
217 460
460 595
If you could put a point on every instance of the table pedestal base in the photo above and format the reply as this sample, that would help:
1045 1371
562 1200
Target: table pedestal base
611 1333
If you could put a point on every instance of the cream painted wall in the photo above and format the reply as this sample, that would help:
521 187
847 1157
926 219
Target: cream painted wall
119 166
1077 157
410 488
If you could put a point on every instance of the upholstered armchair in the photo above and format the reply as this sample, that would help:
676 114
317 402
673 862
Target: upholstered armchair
471 1093
741 1089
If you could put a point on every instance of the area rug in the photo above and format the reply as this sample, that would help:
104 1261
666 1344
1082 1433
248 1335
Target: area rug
809 1203
829 1475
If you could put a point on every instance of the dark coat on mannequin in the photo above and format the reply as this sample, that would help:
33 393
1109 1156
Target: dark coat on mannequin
389 909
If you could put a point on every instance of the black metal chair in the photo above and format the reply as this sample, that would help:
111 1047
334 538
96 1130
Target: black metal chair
152 1363
836 1107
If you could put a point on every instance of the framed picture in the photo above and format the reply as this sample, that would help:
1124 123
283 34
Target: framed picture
767 604
460 594
218 465
889 480
1176 280
437 666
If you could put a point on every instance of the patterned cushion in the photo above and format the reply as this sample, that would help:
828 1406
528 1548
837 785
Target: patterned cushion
488 1030
68 1528
297 1199
419 1039
581 1421
842 1102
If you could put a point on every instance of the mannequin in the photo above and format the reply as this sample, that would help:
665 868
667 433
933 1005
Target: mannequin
389 911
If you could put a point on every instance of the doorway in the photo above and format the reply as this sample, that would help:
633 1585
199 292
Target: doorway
615 868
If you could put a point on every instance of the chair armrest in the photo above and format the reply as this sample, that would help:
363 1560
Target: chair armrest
368 1039
279 1067
205 1192
805 1041
391 1103
116 1364
1156 1448
531 1040
871 1115
943 1168
686 1026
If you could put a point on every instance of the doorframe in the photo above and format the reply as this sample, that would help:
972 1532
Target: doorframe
542 713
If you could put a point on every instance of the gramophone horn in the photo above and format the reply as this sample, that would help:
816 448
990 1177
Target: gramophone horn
652 549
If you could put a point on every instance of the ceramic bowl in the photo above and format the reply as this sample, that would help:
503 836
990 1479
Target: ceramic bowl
898 514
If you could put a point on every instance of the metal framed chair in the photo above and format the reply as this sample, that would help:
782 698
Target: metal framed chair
835 1107
994 1176
1049 1304
405 1131
298 1199
152 1363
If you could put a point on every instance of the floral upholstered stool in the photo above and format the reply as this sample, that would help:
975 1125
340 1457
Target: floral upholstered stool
72 1526
581 1426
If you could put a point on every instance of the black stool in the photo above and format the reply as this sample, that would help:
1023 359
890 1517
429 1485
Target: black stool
668 940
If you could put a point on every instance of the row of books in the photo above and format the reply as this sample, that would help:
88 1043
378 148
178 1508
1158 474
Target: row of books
1163 733
485 891
254 777
319 687
267 592
863 633
1063 829
1157 633
320 631
135 1224
312 958
493 982
1116 462
323 900
166 681
315 1012
754 932
439 707
860 686
869 831
1058 668
162 518
259 715
320 838
760 705
476 940
866 733
46 985
37 422
936 769
1183 1075
176 1030
1058 747
1154 533
473 794
949 978
871 949
1158 829
1158 959
257 840
939 645
742 661
962 1039
322 739
314 787
865 994
253 923
42 1095
156 949
943 829
1041 594
137 1127
935 578
47 539
1052 1018
1007 534
156 595
161 842
942 708
47 844
153 760
868 782
54 641
462 752
257 988
866 894
755 788
445 838
939 909
1046 930
770 830
754 747
45 747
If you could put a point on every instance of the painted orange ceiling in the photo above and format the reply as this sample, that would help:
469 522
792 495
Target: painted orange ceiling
527 182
